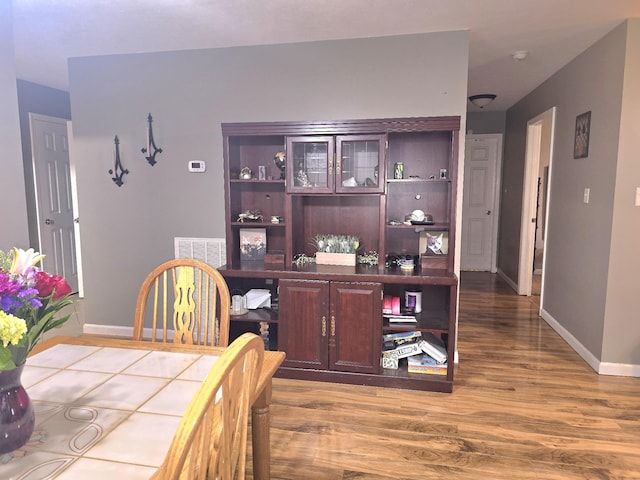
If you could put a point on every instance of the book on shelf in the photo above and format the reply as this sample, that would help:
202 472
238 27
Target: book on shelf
401 337
424 363
434 347
407 349
401 318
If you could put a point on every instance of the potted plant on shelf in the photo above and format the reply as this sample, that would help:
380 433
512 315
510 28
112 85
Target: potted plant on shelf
334 249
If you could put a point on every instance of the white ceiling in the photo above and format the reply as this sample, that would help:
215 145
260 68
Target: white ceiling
47 32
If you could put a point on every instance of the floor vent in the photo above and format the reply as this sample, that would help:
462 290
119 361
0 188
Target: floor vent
208 250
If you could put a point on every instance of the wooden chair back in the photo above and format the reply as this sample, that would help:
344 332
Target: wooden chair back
187 297
211 440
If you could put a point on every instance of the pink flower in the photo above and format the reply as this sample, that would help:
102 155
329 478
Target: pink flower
47 283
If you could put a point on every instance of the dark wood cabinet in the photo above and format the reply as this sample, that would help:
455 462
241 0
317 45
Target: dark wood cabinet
324 164
355 327
339 177
330 325
303 322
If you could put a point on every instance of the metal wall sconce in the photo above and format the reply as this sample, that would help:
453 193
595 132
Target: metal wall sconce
151 157
482 100
118 170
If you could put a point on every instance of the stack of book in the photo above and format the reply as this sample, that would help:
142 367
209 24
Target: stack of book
433 360
423 363
399 345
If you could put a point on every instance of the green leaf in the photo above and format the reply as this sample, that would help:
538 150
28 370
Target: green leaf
6 362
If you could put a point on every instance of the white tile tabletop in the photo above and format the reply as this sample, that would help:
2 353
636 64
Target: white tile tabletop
103 412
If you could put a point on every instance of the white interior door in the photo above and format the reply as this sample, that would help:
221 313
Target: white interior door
480 202
52 175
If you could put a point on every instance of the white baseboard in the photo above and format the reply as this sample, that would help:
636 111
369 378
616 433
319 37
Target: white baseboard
510 282
603 368
107 330
118 331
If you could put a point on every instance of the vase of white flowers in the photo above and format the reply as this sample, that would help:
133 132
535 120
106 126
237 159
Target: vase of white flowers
30 300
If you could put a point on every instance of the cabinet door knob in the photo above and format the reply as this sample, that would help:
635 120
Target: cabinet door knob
333 326
324 326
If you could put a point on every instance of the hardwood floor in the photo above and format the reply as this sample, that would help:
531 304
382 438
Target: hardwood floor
524 406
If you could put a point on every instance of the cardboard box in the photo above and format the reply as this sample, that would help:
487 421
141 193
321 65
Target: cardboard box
274 259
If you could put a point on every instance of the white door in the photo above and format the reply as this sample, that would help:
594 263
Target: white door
52 176
480 202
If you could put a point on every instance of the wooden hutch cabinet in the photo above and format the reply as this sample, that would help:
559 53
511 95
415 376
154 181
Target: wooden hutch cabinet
367 178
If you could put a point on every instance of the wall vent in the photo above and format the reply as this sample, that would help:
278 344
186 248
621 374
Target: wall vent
208 250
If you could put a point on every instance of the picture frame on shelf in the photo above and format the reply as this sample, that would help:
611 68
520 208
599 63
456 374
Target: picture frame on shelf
583 130
253 243
434 243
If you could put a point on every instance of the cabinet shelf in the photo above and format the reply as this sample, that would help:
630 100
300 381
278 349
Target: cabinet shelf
258 224
255 180
402 372
418 180
258 315
421 228
426 322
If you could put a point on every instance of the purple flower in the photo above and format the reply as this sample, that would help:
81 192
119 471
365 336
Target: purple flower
17 291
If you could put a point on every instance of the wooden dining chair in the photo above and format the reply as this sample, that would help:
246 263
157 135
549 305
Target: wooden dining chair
187 298
211 440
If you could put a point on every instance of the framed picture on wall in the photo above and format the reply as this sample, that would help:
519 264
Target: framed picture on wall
581 143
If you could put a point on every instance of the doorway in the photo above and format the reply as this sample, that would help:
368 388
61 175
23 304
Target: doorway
535 203
481 202
55 199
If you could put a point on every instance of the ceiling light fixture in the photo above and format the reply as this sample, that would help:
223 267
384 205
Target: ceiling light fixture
482 100
519 55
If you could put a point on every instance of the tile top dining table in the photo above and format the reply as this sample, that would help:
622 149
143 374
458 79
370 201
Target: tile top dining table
109 408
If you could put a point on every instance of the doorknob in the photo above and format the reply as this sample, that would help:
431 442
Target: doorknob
48 221
488 212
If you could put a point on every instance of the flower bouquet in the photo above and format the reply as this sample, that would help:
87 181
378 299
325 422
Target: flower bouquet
30 300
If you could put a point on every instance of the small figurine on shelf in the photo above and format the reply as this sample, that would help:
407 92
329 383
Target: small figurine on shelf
250 216
279 160
246 174
302 180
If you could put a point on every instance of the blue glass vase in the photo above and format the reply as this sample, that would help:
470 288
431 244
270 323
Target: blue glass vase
16 412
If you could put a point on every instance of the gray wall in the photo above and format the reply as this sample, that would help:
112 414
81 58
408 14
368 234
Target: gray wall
621 342
486 122
34 98
127 231
579 236
13 207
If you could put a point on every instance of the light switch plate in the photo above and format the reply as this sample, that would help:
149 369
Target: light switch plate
637 196
587 193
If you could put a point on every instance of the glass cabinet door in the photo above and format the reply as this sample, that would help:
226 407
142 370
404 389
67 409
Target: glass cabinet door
310 163
360 163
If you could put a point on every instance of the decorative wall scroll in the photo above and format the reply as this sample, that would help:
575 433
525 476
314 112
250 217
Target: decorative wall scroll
118 170
151 157
581 143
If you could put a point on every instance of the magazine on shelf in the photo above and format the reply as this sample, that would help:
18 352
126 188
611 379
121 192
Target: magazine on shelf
434 347
424 363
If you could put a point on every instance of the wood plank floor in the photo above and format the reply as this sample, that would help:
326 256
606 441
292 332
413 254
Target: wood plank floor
524 406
